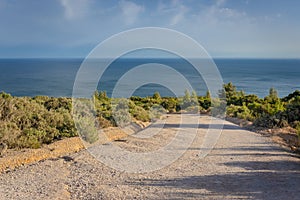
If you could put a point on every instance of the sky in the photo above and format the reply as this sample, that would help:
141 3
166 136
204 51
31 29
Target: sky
225 28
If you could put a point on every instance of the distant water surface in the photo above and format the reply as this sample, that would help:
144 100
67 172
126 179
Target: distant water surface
55 77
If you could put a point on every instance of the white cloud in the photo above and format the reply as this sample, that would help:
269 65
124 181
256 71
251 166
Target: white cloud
220 3
175 9
228 12
75 9
130 11
218 13
181 10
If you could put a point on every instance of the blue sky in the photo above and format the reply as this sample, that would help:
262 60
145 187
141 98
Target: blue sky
225 28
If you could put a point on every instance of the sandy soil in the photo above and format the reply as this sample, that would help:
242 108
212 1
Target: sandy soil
243 165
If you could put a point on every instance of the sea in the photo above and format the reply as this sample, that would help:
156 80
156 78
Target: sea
55 77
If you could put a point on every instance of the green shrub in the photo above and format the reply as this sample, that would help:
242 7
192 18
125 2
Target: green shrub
170 104
139 113
9 133
298 132
121 115
186 100
218 108
5 95
232 110
193 109
293 110
156 112
86 126
28 123
242 112
156 96
86 120
104 123
205 102
245 113
267 121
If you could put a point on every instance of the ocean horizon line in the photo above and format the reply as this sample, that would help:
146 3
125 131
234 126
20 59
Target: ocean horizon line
175 58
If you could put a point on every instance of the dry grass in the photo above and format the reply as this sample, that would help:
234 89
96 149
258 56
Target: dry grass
15 158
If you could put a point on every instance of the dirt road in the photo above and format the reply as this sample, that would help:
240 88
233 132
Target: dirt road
243 165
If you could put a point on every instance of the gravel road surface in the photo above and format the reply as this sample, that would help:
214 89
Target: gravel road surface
243 165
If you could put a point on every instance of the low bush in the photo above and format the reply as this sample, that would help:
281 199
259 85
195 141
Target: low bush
30 122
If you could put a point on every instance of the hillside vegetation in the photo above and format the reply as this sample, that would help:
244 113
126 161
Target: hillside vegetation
29 122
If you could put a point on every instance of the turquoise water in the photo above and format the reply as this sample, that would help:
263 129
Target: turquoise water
55 77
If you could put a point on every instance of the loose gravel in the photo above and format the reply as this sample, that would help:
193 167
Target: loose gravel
243 165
